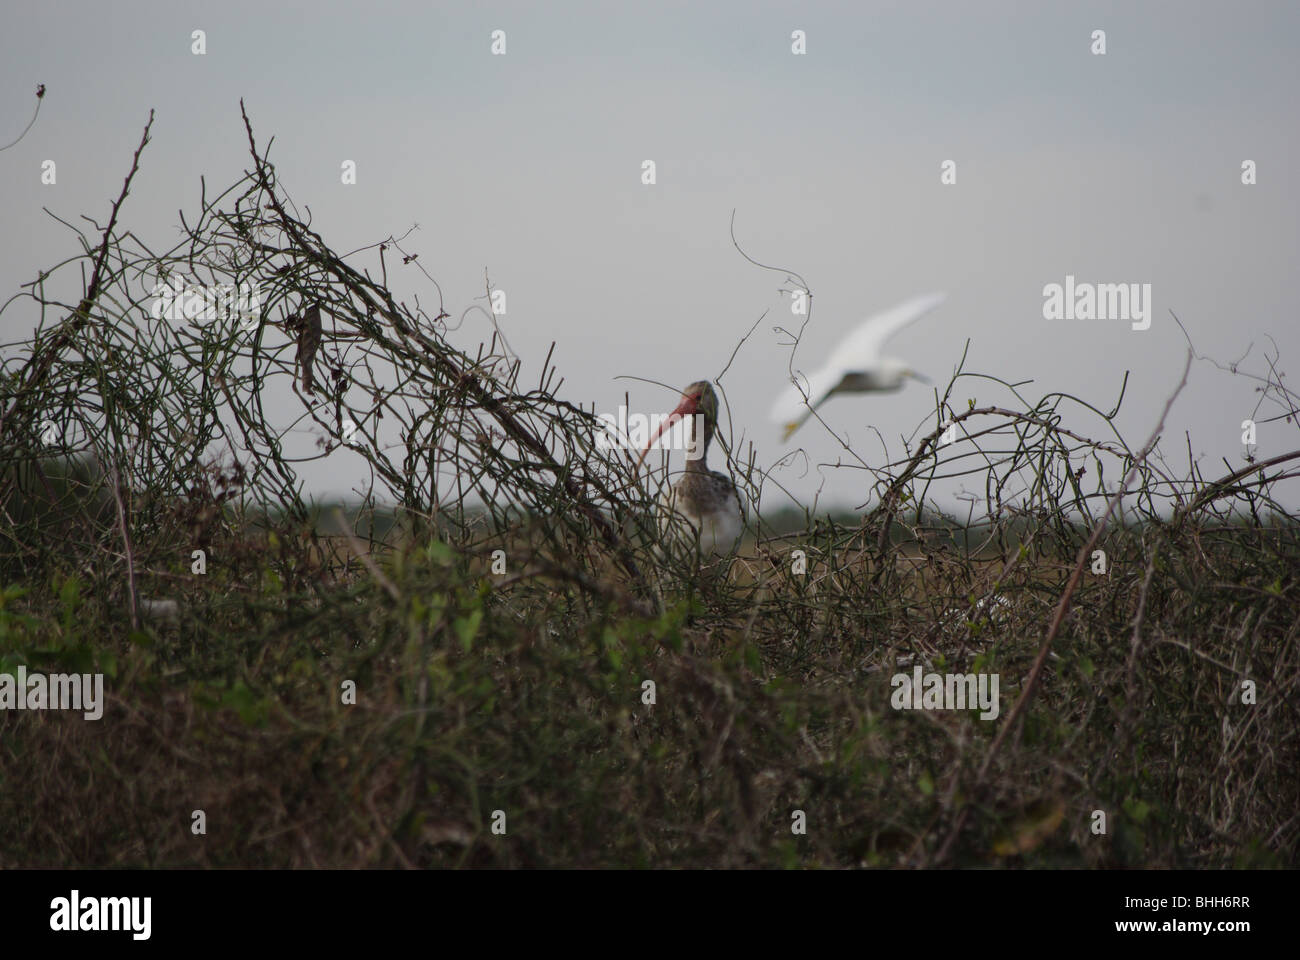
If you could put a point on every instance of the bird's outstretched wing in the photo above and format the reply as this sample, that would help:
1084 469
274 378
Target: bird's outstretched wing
861 348
791 407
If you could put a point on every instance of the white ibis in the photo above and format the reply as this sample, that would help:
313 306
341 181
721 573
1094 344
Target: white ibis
855 365
707 499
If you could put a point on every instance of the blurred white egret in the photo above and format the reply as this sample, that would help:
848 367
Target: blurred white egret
855 365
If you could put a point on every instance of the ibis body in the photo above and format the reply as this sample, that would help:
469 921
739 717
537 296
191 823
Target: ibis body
707 500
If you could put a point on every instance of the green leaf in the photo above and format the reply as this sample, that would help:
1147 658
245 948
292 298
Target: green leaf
438 552
1139 810
467 628
252 709
70 594
11 593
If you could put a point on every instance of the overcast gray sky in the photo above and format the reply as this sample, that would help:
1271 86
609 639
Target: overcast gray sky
1117 168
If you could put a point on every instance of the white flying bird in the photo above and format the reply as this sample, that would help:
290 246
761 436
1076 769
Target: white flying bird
855 365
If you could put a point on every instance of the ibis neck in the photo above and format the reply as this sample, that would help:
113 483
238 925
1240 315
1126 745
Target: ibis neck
700 463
